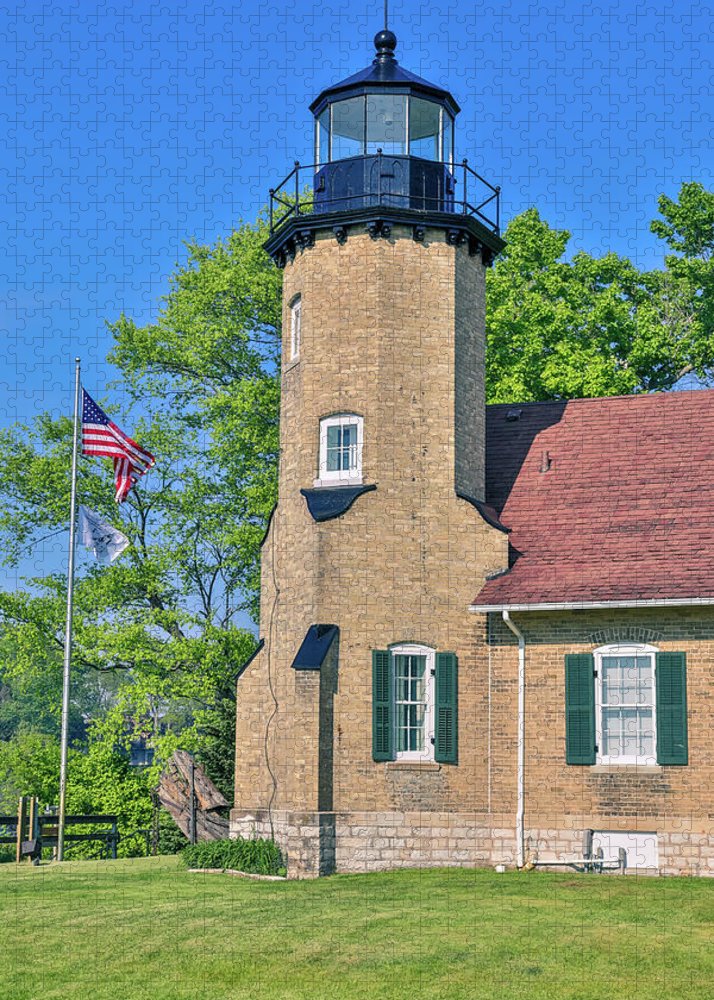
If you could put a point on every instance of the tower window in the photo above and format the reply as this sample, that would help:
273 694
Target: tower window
625 705
340 450
414 704
413 683
295 327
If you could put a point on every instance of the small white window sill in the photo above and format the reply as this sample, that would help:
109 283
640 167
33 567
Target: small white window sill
413 765
338 482
628 768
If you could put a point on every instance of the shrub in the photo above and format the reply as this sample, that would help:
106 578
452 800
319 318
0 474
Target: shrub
260 857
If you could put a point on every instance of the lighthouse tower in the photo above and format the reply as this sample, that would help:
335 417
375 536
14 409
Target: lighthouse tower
362 708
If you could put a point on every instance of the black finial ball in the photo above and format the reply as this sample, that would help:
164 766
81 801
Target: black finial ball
385 42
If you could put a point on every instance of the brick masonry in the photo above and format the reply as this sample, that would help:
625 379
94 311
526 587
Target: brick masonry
393 330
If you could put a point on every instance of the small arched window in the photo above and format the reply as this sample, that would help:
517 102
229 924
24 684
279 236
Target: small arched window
341 439
295 327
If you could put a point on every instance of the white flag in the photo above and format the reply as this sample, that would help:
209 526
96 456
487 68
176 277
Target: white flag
106 542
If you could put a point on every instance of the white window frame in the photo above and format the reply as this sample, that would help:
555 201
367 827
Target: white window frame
340 477
415 649
623 649
295 327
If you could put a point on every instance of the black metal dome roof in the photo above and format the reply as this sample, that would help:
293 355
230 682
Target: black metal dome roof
384 73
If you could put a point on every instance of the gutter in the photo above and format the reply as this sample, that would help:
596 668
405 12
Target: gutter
521 751
651 602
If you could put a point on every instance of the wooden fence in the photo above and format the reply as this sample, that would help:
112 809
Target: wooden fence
31 832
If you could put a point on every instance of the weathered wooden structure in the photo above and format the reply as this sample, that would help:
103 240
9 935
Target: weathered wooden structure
194 802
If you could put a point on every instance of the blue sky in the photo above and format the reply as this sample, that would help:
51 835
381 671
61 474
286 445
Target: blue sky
131 127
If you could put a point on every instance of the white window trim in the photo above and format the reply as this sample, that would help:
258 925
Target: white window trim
295 327
340 477
623 649
415 649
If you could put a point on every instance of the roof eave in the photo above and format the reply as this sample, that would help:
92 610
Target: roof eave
345 90
653 602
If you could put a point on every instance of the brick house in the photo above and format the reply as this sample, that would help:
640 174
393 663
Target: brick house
486 631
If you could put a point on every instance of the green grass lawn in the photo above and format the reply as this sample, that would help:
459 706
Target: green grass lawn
130 930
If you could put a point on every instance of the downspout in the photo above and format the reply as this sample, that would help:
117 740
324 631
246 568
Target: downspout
521 754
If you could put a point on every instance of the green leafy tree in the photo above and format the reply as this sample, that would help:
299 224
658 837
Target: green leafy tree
597 326
211 362
167 621
688 229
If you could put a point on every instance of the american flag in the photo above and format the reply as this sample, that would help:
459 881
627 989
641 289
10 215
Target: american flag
101 436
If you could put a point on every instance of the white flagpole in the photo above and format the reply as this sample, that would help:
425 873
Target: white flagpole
68 624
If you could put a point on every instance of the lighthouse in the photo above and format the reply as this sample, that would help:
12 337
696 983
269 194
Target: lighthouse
362 706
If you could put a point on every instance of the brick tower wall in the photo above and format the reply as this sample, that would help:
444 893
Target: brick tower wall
392 330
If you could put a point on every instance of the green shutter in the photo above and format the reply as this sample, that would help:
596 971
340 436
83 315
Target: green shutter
382 727
447 709
579 708
671 682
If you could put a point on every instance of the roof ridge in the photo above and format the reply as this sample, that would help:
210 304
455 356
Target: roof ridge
600 399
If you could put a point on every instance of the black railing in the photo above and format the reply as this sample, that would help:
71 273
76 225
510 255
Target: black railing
385 180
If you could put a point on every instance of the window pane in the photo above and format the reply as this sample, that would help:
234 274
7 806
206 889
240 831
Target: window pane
410 697
645 680
626 680
322 153
387 123
424 129
448 139
646 733
627 693
348 128
627 732
611 732
295 329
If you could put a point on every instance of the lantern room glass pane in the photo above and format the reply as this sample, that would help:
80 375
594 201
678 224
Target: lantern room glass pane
448 137
322 137
348 128
424 129
387 123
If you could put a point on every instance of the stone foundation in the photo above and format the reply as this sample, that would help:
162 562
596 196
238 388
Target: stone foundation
323 843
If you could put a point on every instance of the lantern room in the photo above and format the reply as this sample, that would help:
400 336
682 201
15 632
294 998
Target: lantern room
383 154
384 134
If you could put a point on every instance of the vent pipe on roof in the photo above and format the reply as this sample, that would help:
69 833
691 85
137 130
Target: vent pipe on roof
545 461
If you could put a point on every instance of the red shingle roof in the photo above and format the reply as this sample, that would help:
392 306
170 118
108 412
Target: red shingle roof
607 499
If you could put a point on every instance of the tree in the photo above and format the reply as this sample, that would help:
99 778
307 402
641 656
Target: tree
167 621
688 229
599 326
211 361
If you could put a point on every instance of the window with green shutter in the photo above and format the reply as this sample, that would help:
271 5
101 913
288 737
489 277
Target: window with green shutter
671 683
580 708
414 704
626 703
447 709
382 726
